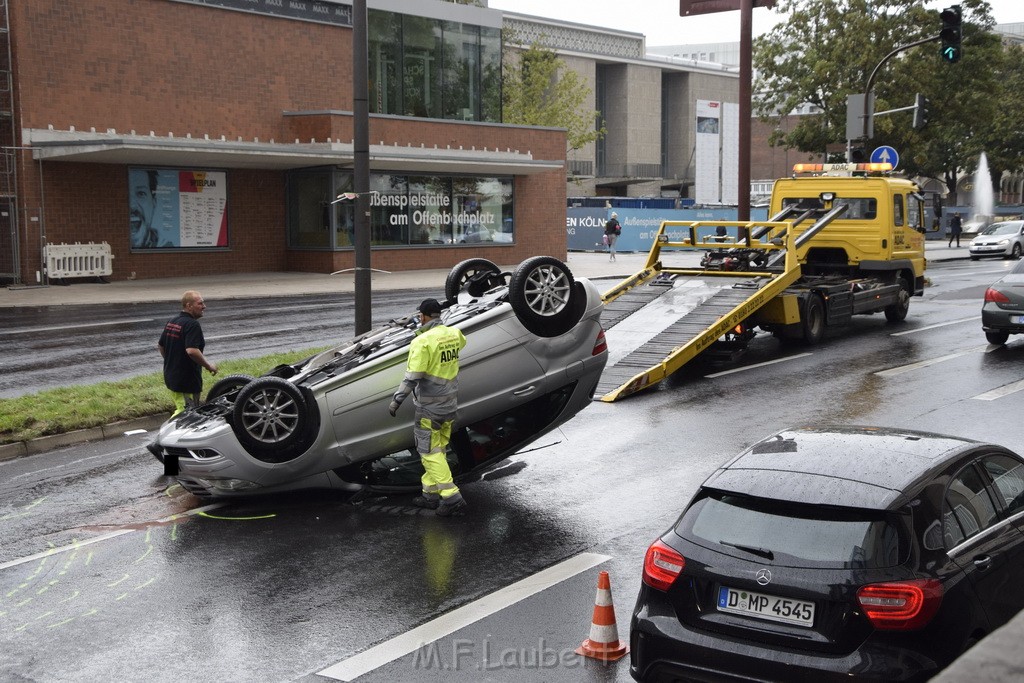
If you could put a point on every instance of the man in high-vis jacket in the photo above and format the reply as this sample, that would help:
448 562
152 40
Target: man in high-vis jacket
431 376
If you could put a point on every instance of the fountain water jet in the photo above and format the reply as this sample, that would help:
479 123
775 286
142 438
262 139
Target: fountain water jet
982 198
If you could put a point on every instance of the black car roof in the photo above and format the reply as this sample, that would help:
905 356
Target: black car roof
867 467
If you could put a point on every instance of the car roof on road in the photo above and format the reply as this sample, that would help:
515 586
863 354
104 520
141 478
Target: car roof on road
837 465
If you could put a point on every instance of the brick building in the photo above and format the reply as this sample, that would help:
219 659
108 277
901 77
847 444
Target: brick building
200 136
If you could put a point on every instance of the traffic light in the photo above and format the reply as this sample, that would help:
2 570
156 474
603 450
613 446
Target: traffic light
920 111
951 33
858 154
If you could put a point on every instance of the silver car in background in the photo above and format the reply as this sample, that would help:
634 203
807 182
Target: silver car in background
534 353
1003 240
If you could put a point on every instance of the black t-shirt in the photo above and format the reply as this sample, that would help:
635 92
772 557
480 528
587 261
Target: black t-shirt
612 227
181 373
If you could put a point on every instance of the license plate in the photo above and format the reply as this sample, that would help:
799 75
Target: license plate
799 612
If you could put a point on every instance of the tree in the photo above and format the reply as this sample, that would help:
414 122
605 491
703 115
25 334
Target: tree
538 90
828 48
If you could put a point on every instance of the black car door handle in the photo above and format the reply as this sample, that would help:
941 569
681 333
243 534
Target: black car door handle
983 562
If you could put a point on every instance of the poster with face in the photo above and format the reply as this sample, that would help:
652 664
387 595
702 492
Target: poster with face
177 208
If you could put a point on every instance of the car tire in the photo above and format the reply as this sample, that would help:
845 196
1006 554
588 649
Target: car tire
813 320
545 296
228 386
477 275
997 337
975 258
897 312
1015 252
272 420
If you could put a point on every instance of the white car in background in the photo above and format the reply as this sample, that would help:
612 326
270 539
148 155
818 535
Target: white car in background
1002 240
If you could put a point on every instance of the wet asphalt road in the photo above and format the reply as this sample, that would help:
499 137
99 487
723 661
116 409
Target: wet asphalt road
99 580
49 347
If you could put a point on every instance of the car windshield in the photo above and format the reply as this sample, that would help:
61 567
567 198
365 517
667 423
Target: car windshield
795 535
1001 229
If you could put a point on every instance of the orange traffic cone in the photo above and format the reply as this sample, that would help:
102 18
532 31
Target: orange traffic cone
603 643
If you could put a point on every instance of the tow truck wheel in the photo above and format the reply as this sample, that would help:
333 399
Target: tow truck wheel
897 312
545 296
478 273
813 320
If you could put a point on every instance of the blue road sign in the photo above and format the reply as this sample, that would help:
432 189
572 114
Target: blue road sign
885 154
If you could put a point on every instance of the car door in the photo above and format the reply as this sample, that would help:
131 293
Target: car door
983 542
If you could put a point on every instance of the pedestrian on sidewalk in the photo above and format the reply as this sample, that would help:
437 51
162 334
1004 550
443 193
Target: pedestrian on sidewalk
181 345
432 377
956 227
612 230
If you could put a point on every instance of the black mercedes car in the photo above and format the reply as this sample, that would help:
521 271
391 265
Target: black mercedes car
835 554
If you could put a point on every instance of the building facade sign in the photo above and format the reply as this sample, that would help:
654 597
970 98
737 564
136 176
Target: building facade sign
307 10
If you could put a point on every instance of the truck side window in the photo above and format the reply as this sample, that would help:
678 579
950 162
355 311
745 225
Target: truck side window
897 209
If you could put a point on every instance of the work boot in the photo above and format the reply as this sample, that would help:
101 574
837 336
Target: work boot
451 507
429 501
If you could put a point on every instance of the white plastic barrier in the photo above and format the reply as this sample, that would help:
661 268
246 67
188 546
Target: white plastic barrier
78 260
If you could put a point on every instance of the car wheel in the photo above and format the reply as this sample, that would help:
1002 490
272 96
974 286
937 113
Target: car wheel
975 258
545 296
813 322
1015 253
897 312
997 336
271 419
228 386
477 275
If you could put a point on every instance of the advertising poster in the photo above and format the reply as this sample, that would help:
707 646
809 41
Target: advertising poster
177 208
731 153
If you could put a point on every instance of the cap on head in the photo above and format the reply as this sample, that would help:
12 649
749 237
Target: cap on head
430 307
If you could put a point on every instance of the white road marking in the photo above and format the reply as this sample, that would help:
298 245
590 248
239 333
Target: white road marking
892 372
104 537
758 365
133 432
932 327
1000 392
253 333
446 624
78 326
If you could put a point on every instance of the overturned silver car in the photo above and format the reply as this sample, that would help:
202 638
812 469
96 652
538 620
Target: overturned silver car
534 353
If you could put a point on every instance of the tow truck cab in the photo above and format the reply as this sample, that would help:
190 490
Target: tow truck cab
881 233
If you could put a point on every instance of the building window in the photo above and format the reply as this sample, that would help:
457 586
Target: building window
435 69
422 210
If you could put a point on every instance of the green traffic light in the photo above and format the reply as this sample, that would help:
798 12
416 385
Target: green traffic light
951 54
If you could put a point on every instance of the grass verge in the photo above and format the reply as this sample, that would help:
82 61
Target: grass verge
55 411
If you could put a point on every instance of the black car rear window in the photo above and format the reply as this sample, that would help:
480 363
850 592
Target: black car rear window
795 535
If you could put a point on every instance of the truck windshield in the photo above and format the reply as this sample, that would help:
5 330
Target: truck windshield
861 208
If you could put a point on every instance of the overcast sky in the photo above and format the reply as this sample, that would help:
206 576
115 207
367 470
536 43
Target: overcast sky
659 20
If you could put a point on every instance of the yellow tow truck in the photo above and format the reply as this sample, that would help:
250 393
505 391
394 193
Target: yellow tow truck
842 240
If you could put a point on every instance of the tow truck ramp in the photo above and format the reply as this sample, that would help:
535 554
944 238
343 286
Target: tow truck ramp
660 318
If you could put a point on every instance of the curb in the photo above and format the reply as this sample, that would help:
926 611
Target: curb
42 444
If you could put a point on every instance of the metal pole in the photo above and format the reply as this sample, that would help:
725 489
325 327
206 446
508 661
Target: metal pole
746 74
874 72
361 167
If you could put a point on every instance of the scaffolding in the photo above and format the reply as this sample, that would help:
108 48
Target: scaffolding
9 248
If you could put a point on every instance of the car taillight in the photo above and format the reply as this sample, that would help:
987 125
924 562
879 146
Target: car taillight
994 296
900 605
600 345
662 565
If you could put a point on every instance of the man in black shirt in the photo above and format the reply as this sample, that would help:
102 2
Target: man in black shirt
181 344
